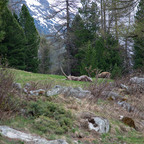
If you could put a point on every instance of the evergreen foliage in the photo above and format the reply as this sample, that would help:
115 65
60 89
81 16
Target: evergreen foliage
16 17
102 55
12 47
139 40
90 14
33 39
2 8
80 35
90 49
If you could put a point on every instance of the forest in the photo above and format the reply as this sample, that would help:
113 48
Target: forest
99 35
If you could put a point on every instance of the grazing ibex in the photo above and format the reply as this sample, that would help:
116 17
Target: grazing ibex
104 75
74 78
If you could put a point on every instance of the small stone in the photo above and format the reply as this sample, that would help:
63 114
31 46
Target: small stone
27 85
37 92
17 86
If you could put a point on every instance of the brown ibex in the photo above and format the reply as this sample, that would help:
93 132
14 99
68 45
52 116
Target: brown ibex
104 75
74 78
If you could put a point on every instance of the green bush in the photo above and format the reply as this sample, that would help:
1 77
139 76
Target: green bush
48 125
116 72
50 117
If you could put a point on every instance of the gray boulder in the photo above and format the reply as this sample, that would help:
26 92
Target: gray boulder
69 92
112 95
55 91
98 124
15 134
126 106
137 80
77 92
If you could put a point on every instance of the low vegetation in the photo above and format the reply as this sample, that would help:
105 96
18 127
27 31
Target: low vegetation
50 117
61 117
7 102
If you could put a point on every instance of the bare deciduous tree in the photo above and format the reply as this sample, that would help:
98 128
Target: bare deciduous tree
64 12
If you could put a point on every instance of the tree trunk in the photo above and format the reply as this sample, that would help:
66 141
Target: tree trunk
68 38
102 14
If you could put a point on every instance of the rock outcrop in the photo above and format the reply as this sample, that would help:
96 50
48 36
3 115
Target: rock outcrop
29 138
137 80
69 92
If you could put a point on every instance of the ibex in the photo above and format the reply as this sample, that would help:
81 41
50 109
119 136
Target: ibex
74 78
104 75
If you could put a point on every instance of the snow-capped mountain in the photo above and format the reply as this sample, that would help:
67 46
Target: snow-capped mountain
39 10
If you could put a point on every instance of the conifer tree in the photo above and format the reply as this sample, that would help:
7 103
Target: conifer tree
139 39
12 47
80 35
103 55
2 8
33 39
90 14
84 28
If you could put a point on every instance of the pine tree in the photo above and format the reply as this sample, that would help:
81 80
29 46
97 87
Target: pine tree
80 35
12 47
85 27
33 39
139 40
90 14
102 54
2 8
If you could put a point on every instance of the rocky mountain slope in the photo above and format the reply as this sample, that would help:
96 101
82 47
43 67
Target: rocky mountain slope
46 109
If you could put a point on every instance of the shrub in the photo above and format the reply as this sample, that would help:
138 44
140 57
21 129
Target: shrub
97 88
47 125
6 81
116 72
49 113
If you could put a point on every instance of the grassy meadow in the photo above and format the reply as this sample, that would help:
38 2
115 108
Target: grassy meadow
26 77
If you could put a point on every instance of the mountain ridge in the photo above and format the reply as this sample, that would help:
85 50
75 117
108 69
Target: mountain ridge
39 10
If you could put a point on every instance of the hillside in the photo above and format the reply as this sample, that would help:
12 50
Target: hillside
63 116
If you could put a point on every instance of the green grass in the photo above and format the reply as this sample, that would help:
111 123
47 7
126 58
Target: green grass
24 77
43 118
132 137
